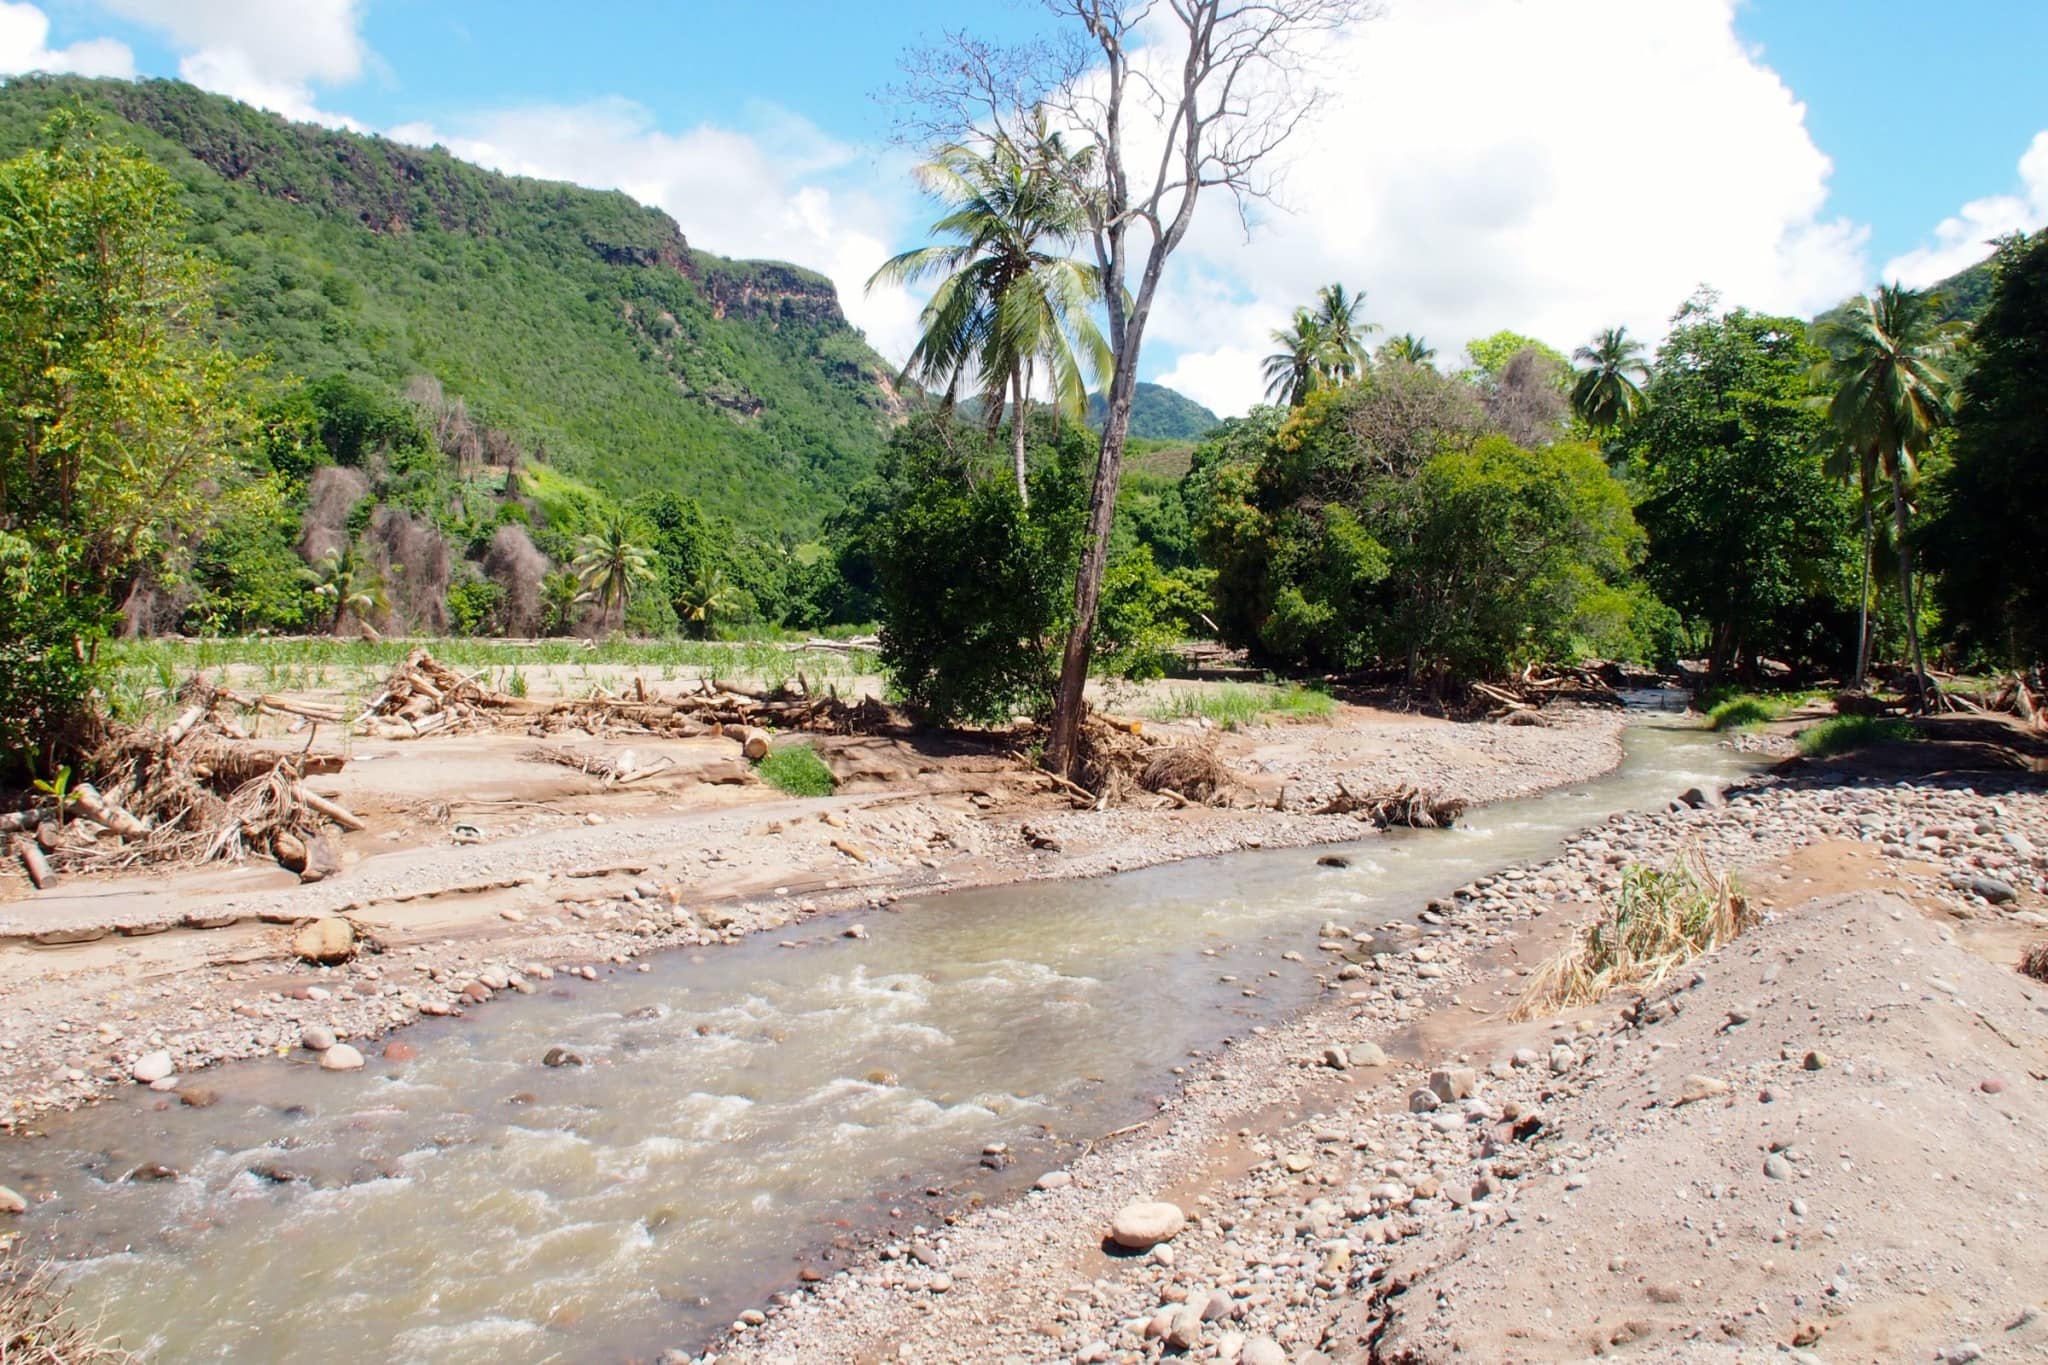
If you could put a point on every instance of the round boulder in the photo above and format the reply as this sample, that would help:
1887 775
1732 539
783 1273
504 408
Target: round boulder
152 1067
341 1057
1144 1225
317 1038
325 941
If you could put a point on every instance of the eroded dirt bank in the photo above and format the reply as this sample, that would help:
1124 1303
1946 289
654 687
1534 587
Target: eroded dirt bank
1821 1142
483 873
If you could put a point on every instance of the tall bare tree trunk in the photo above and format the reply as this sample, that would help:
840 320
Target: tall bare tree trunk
1923 685
1067 700
1018 431
1863 599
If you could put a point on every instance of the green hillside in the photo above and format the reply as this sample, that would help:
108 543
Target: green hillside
1160 414
578 323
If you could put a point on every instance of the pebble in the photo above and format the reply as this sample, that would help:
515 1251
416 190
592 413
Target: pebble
317 1038
341 1057
1777 1168
1262 1351
152 1067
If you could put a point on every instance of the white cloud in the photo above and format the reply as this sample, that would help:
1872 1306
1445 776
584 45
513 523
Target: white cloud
25 46
1965 239
783 189
269 54
1552 168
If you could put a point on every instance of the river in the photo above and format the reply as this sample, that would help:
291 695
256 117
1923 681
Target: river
738 1111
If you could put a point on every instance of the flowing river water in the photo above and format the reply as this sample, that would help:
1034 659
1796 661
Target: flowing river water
740 1110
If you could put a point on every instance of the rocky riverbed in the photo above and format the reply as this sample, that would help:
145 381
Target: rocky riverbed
1819 1141
139 973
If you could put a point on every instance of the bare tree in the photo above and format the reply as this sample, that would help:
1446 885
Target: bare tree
1177 97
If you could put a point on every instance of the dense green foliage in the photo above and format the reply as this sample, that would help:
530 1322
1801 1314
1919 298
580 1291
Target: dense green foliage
576 324
1841 734
1991 504
1749 539
797 770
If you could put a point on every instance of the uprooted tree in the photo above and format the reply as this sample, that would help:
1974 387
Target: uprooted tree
1175 98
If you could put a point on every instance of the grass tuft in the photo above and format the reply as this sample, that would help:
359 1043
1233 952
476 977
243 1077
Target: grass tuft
797 769
2034 962
1234 706
37 1326
1661 918
1843 733
1739 713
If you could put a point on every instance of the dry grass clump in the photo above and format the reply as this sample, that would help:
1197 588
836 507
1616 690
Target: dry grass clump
1188 769
1660 919
2034 961
37 1326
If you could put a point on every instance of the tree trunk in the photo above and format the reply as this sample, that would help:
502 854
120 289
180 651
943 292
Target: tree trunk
1018 432
1922 684
1067 700
1863 600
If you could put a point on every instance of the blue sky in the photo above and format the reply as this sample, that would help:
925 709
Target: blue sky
1786 152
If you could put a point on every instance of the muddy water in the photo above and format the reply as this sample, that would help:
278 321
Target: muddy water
738 1111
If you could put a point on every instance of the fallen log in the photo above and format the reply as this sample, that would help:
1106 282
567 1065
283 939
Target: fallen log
339 814
21 821
753 742
101 811
34 863
182 726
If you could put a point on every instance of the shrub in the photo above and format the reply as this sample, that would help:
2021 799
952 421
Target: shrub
797 769
1739 713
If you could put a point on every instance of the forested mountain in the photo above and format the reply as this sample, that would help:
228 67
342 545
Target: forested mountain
574 323
1160 414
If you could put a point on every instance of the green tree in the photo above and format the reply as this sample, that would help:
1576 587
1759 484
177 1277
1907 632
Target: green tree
351 589
1344 333
1608 394
1008 299
1748 535
705 601
1488 356
1298 368
1408 349
1991 503
611 562
1888 394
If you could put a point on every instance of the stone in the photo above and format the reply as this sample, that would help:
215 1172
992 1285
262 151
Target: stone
1368 1054
325 941
1777 1168
1184 1332
1145 1224
1422 1101
1453 1082
1336 1059
1053 1180
1262 1351
1816 1060
560 1056
198 1096
10 1202
400 1052
1696 1088
1562 1059
341 1057
152 1067
1993 890
317 1038
323 860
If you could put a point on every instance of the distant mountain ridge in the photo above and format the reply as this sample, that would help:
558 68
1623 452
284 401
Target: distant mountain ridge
1159 414
578 320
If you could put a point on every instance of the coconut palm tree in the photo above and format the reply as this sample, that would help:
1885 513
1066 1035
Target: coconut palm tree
1296 370
1009 300
1888 394
1407 348
1344 332
609 562
705 599
348 587
1608 393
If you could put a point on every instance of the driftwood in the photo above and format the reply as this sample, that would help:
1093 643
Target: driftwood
34 862
1408 806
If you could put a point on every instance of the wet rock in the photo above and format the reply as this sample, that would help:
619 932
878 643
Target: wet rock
277 1173
400 1052
341 1057
151 1171
1053 1180
325 941
152 1067
854 931
10 1202
198 1096
1993 890
317 1038
1333 860
560 1056
1145 1224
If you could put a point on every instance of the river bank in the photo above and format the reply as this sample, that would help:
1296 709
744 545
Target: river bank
1836 1106
197 968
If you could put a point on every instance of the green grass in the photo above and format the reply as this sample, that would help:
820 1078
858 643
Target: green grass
796 769
1843 733
1236 705
1741 710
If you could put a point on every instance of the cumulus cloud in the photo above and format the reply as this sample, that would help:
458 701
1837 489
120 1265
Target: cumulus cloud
780 188
1965 238
269 54
25 46
1552 168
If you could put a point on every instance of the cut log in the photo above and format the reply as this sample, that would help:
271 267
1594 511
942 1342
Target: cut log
34 863
182 726
753 742
853 851
339 814
21 821
98 809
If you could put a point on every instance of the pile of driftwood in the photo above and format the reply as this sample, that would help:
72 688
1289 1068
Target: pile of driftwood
424 697
198 791
1117 765
1520 701
1409 806
2015 697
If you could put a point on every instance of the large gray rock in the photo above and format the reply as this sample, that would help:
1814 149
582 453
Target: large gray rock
1144 1225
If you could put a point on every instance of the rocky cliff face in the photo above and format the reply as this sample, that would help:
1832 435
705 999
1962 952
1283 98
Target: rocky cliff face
770 291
